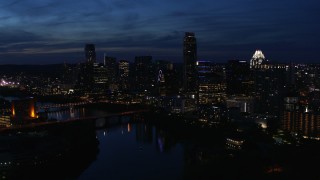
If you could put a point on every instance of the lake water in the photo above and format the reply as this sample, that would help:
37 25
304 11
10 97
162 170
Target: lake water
134 151
126 147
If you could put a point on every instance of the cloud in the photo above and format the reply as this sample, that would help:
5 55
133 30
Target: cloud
50 27
12 36
9 4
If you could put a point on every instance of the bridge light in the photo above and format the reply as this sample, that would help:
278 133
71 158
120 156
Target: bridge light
13 110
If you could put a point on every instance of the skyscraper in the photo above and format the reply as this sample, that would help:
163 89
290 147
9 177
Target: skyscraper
111 65
144 73
298 118
90 53
85 79
168 82
124 70
100 78
189 62
86 71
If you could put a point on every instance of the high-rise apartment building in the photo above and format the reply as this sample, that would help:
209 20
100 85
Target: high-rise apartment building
111 66
100 78
298 118
124 69
86 71
144 73
190 83
167 78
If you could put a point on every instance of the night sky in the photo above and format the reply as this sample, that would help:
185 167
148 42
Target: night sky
55 31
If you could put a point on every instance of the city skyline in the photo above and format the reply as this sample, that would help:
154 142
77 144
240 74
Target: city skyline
47 32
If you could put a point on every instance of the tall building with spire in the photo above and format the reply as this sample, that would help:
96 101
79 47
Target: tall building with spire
189 62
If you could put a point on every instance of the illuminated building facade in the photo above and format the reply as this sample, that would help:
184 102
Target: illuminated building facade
211 84
124 70
257 59
190 78
100 78
167 78
234 143
298 118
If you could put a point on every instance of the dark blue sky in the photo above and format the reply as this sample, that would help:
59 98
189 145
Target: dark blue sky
55 31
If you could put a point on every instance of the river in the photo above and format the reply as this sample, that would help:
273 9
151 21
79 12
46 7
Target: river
138 146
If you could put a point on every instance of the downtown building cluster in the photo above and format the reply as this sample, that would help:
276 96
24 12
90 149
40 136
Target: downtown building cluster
282 96
274 95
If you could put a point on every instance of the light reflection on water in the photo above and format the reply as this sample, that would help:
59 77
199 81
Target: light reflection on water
72 113
133 151
69 113
136 148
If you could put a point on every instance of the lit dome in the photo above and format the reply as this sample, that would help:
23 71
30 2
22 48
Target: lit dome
257 58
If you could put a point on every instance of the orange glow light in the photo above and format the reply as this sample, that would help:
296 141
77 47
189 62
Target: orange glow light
129 127
13 111
32 113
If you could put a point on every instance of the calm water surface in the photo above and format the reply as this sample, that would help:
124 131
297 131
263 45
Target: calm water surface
134 151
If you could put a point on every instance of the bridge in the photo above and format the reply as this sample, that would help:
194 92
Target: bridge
48 106
43 124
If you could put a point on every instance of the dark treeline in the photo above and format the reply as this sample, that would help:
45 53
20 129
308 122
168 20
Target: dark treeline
50 69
